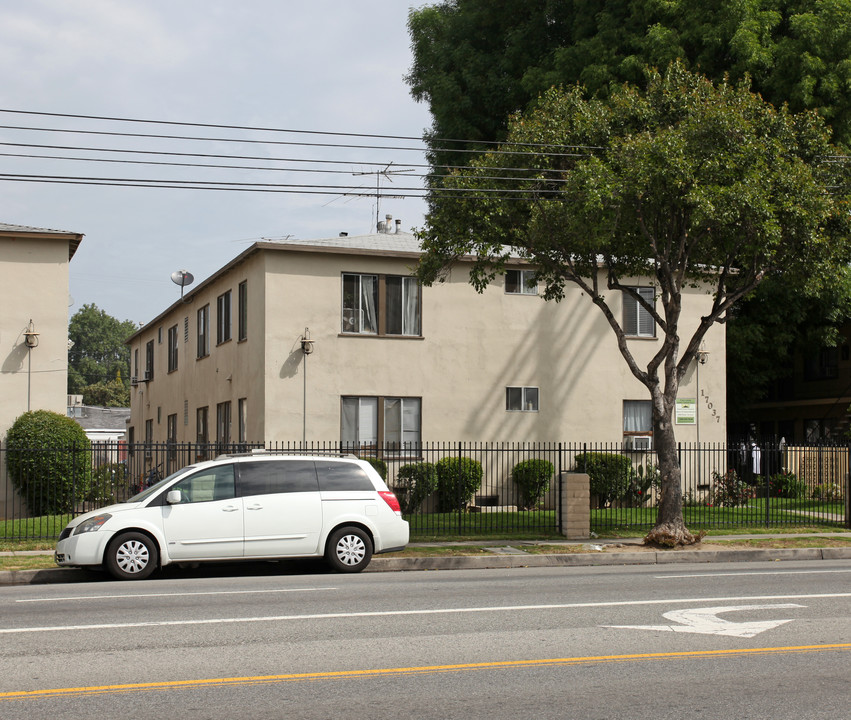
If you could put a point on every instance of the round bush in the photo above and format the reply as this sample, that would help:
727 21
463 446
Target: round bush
532 478
458 479
49 462
414 483
610 475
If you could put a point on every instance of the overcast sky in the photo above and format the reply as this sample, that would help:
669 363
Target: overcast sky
333 66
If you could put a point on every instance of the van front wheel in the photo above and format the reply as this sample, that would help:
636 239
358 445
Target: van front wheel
349 550
131 556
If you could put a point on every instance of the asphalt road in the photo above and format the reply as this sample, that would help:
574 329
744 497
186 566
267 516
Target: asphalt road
749 640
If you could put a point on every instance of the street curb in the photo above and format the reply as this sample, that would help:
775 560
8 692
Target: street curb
494 562
668 557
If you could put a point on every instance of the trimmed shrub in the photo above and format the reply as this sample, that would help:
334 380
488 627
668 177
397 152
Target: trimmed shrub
532 478
379 465
610 475
458 479
49 462
414 483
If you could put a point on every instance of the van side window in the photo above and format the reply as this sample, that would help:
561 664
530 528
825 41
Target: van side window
342 476
215 483
285 476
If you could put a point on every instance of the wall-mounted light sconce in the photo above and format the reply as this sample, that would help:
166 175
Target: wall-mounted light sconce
31 336
306 342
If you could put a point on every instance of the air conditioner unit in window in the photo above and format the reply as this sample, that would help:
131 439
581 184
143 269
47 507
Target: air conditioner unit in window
638 442
148 374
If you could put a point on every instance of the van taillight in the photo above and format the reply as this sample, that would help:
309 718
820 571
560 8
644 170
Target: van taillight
391 500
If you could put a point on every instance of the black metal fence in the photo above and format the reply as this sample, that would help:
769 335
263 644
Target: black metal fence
467 489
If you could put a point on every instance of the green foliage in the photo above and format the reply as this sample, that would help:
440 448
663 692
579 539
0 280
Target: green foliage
99 360
787 485
110 483
414 483
728 490
110 394
379 465
532 478
829 492
477 61
642 483
49 461
610 475
458 479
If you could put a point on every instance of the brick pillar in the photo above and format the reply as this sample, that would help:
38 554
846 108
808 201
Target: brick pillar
576 506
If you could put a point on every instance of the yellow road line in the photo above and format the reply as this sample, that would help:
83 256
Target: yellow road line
379 672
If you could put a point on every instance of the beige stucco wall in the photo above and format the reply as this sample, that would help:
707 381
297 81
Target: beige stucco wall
33 286
473 347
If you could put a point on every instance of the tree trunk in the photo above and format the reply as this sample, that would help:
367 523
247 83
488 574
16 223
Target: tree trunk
670 529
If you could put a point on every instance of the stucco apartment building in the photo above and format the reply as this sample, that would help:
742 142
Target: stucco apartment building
34 266
334 340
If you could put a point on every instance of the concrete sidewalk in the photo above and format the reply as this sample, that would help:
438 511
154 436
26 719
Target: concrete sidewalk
515 554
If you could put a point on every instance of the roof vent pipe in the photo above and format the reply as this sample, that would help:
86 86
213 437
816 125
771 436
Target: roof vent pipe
398 225
388 225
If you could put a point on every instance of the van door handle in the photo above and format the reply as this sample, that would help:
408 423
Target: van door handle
254 507
230 508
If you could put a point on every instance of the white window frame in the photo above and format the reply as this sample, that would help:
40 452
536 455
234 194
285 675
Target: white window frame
529 397
637 321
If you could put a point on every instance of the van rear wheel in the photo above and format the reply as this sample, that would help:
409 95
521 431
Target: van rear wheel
349 550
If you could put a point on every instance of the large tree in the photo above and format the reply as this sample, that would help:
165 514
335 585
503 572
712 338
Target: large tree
98 359
478 61
685 181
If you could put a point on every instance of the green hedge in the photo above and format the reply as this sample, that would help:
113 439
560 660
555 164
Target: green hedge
49 461
610 475
414 483
458 479
532 478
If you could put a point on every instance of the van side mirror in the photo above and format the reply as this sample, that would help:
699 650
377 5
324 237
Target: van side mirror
174 497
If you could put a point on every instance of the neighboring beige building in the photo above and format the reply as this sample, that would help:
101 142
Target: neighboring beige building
33 298
395 363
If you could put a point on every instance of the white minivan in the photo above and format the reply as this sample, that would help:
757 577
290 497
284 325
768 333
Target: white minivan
251 507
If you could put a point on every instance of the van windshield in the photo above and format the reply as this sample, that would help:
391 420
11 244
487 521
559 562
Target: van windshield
147 492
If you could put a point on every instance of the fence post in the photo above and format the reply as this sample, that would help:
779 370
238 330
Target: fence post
848 490
576 496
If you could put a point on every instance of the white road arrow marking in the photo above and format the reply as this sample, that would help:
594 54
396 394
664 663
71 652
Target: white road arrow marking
703 621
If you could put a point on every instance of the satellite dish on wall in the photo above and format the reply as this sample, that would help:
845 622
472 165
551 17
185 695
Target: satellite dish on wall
182 278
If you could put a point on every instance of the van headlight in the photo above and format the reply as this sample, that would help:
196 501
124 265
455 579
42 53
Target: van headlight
92 524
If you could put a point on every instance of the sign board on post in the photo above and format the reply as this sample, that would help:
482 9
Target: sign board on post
686 411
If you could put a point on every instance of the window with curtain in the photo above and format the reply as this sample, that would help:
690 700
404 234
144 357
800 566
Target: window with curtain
637 417
391 423
402 425
637 321
359 426
403 305
360 304
381 305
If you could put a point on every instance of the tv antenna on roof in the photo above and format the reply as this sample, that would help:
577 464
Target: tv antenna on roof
386 172
182 278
